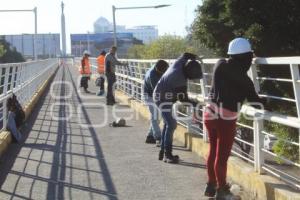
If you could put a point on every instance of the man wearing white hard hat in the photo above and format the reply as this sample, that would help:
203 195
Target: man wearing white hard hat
231 86
85 70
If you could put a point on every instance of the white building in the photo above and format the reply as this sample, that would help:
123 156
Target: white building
102 25
48 45
145 33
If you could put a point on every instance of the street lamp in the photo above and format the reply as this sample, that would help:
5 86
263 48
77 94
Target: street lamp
34 10
127 8
88 41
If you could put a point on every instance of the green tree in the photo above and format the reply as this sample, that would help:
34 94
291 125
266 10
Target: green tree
9 54
136 51
273 26
165 47
168 46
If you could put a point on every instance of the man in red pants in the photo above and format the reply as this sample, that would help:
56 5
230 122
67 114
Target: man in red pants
231 86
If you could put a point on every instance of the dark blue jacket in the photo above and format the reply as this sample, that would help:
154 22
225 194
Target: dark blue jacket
150 81
173 84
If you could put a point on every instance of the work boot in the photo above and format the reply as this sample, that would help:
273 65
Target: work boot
210 190
158 142
150 140
170 158
101 92
224 193
110 103
161 155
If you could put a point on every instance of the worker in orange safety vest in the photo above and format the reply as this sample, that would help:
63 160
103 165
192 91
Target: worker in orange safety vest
101 79
85 70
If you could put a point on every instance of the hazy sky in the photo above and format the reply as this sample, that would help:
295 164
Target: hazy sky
81 14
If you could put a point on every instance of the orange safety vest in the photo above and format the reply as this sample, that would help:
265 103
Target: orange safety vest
85 63
100 61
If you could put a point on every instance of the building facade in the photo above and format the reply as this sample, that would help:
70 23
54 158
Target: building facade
48 45
97 42
145 33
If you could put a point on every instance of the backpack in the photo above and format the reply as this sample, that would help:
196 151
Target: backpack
119 123
13 105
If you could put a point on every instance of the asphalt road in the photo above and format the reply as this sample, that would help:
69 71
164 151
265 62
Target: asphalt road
71 152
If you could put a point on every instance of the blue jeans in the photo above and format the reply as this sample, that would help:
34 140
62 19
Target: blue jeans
170 125
12 127
154 129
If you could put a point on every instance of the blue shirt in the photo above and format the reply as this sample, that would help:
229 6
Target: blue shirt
150 81
172 83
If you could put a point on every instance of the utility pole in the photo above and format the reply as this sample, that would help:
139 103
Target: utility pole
63 30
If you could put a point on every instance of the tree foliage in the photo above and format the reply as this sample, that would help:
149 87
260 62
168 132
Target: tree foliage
273 26
9 54
165 47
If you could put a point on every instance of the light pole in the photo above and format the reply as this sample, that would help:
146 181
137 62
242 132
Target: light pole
88 41
34 10
127 8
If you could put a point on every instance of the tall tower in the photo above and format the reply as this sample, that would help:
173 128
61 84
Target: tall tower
63 30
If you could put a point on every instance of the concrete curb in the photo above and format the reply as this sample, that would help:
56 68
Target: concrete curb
5 136
261 187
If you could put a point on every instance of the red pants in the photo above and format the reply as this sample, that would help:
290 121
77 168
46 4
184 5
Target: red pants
221 136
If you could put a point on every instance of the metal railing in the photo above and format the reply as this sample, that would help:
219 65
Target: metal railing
23 80
254 141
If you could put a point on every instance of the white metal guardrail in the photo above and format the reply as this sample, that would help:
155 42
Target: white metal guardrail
256 148
22 79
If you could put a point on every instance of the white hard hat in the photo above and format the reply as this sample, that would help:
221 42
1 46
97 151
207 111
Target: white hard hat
86 52
238 46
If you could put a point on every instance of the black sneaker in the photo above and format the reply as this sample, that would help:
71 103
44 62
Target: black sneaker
158 142
170 158
210 190
150 140
224 193
161 155
86 91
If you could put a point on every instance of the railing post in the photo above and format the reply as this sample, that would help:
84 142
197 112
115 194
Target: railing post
253 75
205 134
258 143
5 101
189 112
205 93
296 86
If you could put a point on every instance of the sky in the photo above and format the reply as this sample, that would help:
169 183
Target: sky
81 14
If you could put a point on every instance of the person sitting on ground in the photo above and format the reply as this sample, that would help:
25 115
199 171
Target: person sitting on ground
85 70
100 61
152 76
15 118
172 87
230 87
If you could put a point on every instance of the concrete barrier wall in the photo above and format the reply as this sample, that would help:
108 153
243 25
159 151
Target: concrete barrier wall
261 187
5 136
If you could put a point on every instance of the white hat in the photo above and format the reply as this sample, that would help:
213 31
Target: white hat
86 52
239 46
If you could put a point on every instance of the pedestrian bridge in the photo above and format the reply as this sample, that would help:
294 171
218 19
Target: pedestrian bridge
70 151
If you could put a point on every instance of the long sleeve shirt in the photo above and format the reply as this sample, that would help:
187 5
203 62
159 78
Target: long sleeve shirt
110 63
151 79
231 85
172 86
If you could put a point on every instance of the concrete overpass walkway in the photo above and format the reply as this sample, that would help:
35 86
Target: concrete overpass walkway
66 159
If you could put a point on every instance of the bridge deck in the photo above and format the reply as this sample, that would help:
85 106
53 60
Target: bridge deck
62 160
